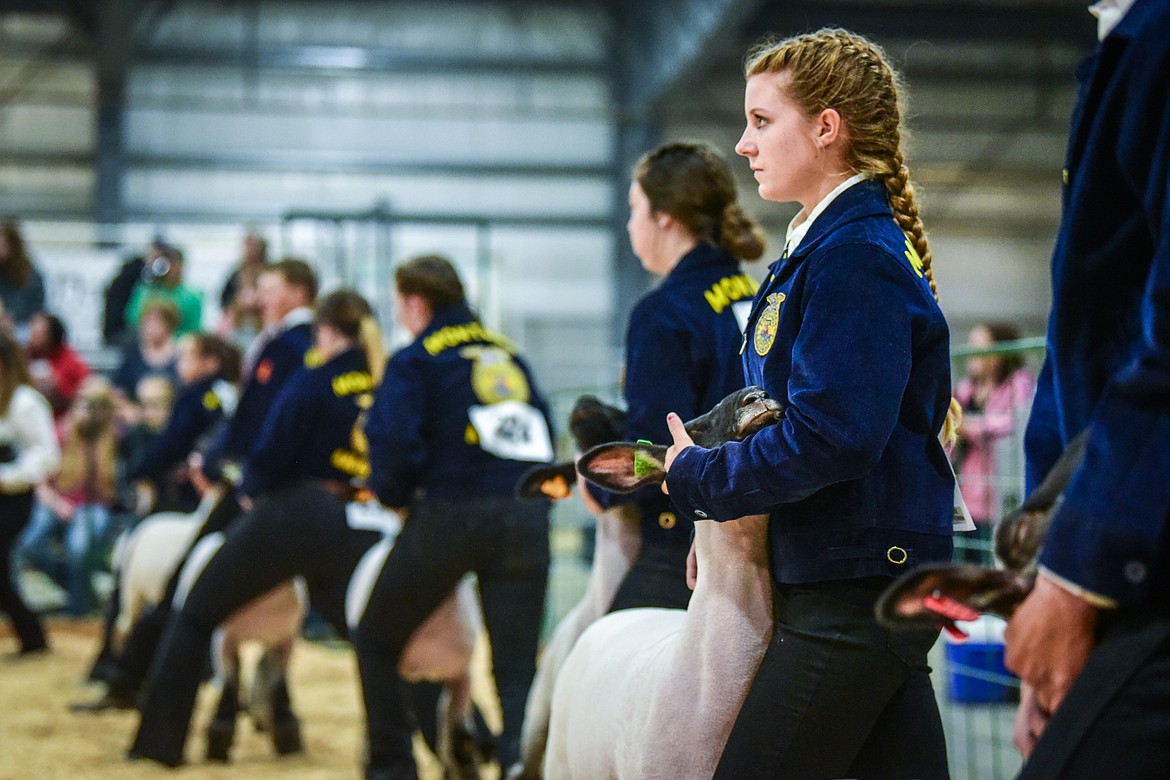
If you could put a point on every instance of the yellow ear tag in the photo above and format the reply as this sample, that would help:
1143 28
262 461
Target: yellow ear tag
642 464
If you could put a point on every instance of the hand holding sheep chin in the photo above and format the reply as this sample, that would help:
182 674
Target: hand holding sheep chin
682 440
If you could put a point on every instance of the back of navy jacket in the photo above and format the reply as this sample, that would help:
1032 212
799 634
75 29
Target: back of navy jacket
846 334
457 416
1108 361
313 429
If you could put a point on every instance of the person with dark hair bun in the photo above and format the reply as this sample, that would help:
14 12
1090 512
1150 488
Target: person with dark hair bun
682 342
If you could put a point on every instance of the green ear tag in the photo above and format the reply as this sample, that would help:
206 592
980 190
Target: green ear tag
642 464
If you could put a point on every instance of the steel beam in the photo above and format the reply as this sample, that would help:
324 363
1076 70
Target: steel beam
964 20
664 42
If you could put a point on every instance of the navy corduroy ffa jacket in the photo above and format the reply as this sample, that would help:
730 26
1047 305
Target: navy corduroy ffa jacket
312 431
846 334
457 416
1108 358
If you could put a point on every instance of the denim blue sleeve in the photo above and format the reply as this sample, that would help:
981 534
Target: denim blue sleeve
394 430
1043 441
1108 533
851 362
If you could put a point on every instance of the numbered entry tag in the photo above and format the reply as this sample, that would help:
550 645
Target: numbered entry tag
513 430
372 516
961 520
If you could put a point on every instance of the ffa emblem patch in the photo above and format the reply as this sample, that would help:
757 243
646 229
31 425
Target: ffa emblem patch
495 376
264 371
767 324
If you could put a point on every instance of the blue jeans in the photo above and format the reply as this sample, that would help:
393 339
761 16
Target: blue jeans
62 548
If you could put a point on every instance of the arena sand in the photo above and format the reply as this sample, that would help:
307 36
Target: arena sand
41 740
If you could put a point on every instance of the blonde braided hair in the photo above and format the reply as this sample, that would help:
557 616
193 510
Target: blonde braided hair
834 68
837 69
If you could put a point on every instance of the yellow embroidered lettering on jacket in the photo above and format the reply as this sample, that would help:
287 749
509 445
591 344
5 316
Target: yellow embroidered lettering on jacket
912 255
349 462
454 335
352 383
730 289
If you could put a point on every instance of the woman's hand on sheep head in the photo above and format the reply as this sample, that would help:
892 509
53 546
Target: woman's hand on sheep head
682 440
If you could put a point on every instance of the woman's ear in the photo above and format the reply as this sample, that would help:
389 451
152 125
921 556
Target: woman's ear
827 128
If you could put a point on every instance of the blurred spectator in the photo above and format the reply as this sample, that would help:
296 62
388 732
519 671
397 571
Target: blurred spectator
22 289
154 350
172 493
56 369
73 511
115 331
240 299
162 278
208 368
28 455
995 394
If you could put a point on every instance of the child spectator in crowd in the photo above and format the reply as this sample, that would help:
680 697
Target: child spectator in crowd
56 369
76 504
153 352
995 395
173 493
208 367
22 289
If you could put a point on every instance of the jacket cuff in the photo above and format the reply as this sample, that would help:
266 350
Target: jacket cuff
1084 552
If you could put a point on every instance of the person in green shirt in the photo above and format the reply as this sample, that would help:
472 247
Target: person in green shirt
162 278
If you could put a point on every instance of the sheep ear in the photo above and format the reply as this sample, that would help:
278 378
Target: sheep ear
623 467
555 482
944 593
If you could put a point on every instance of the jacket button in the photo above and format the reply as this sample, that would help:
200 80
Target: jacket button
699 513
1135 572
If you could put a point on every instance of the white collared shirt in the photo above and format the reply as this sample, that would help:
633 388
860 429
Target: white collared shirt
800 224
1109 14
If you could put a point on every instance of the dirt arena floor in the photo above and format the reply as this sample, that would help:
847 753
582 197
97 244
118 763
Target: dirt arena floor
41 740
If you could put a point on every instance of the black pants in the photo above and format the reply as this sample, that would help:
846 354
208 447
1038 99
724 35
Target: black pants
837 695
657 578
1115 720
298 531
502 540
127 672
15 511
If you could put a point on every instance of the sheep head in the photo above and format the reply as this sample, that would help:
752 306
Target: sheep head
623 467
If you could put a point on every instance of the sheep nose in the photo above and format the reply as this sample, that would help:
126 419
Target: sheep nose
752 397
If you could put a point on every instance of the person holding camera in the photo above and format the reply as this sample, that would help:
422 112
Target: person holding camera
162 279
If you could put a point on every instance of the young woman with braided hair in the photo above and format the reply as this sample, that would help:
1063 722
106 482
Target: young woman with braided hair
847 333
